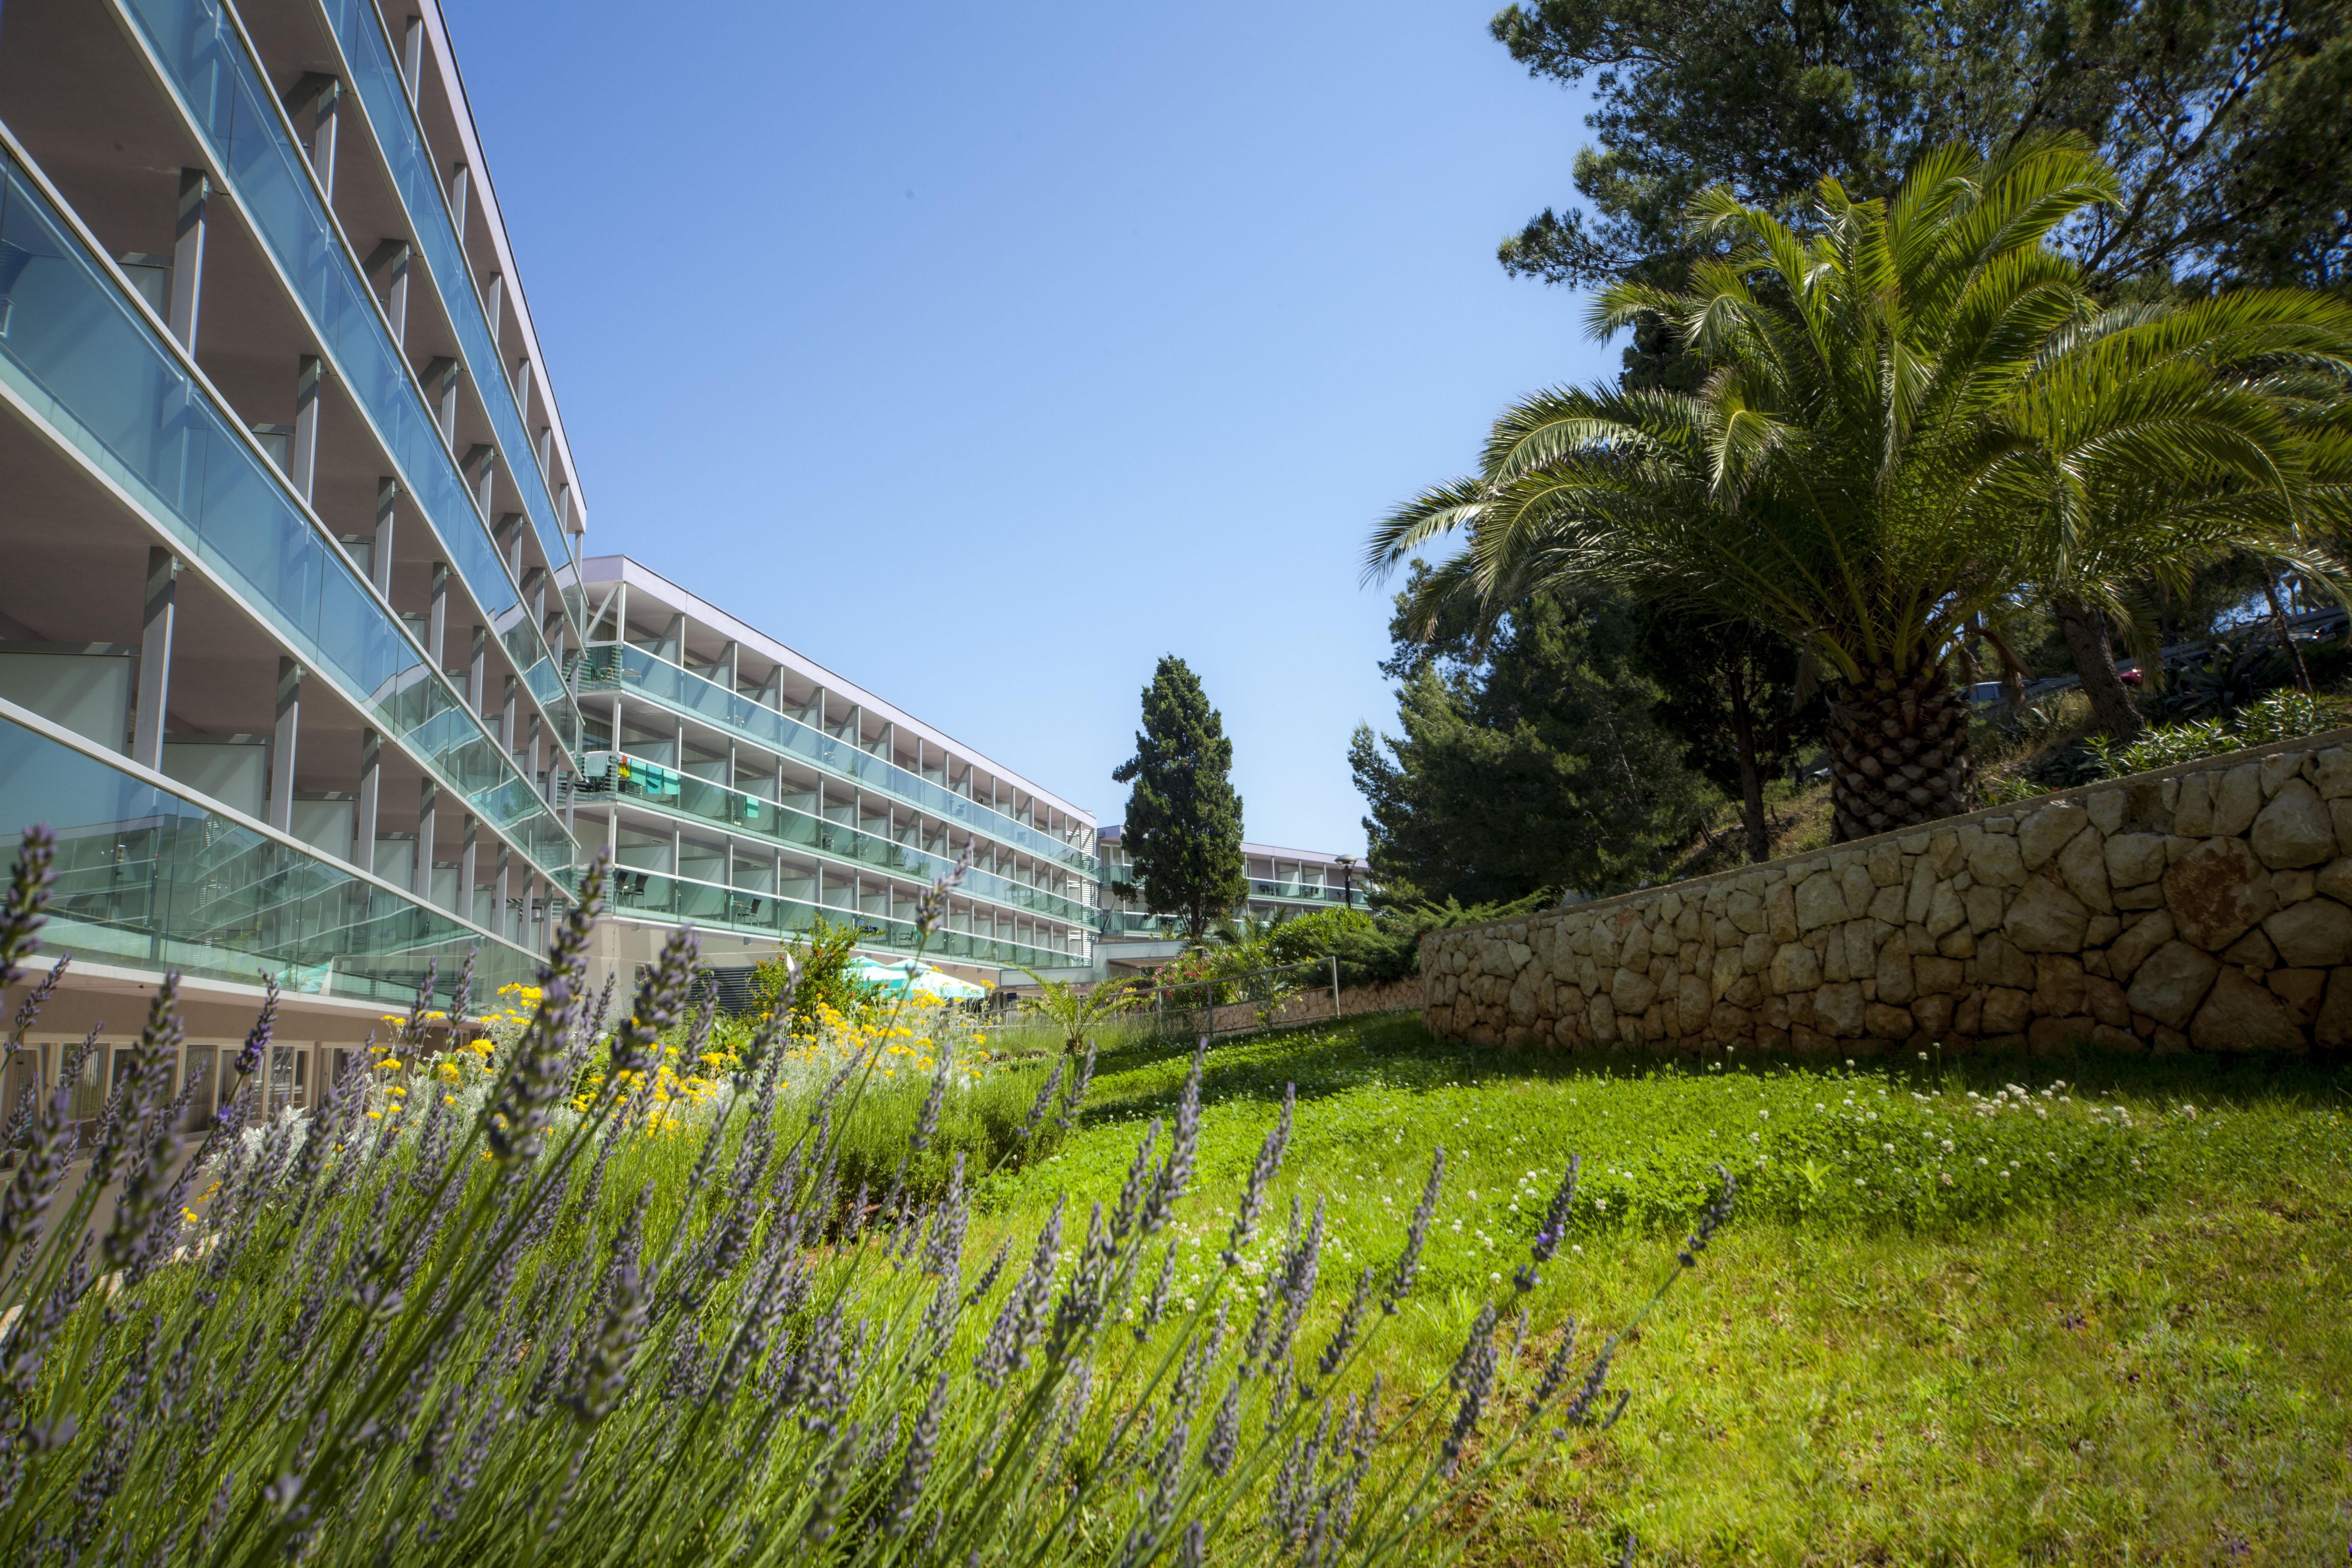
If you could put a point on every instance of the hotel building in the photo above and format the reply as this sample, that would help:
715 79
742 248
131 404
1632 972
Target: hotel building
298 656
1282 883
747 789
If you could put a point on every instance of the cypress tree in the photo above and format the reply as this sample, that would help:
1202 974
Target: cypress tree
1184 828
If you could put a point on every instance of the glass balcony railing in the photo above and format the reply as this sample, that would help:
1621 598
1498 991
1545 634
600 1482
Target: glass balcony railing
86 362
151 879
1127 922
654 895
229 101
616 667
1297 892
787 826
384 98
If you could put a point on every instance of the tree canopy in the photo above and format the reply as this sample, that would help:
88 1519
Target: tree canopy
1183 827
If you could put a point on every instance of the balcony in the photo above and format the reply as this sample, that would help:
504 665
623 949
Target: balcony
1315 893
610 773
655 895
89 367
152 878
616 667
221 91
384 99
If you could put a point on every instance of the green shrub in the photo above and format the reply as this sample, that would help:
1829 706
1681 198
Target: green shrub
822 972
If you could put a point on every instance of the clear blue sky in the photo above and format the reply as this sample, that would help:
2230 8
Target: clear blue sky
986 353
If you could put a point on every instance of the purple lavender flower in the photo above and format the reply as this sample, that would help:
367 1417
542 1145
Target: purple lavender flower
1555 1226
1416 1236
1262 1173
21 917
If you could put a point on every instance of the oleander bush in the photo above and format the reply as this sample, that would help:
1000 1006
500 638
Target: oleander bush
584 1294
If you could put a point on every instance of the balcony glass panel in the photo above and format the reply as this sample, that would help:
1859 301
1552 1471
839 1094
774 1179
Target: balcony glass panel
651 895
235 112
383 97
153 880
662 786
1297 892
87 361
616 667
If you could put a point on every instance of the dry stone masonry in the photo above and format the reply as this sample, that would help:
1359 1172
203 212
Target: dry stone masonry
2205 908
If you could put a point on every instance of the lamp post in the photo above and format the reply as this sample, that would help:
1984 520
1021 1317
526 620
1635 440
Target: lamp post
1348 879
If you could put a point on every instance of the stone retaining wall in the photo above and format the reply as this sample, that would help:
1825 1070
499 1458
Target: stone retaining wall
2208 907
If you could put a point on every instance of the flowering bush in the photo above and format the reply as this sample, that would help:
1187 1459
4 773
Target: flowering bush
527 1334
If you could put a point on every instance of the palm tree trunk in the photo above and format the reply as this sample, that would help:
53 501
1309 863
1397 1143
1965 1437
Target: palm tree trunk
1898 752
1751 783
2095 660
2286 639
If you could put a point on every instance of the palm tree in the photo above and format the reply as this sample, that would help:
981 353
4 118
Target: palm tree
1915 410
1076 1014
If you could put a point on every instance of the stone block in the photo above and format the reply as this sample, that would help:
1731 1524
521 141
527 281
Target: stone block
1887 905
2135 858
1932 976
1726 971
1967 1013
2106 809
2058 983
2006 1010
1934 1013
2217 892
2335 879
2170 983
1633 952
2333 1028
2300 989
1883 1021
2041 835
1838 1011
2101 930
2293 887
2006 823
2150 897
2237 796
2193 815
1745 992
2083 867
1994 859
1853 877
1897 984
2242 1015
2331 770
1985 906
1795 968
1746 909
1886 865
2314 934
1601 1021
1961 943
2294 830
2279 768
1692 998
2253 952
1755 953
1921 893
1946 911
1633 992
1781 912
2106 1000
2046 917
1819 901
1999 963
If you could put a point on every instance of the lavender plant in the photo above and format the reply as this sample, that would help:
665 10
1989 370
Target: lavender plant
521 1338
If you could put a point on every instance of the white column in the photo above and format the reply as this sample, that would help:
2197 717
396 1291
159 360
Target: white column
437 618
428 811
281 750
188 257
460 180
156 623
363 819
303 460
391 258
440 380
387 496
412 53
468 864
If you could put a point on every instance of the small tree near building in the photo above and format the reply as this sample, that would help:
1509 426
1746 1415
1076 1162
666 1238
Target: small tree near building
1184 828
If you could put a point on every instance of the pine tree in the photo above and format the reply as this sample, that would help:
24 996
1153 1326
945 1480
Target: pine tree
1184 829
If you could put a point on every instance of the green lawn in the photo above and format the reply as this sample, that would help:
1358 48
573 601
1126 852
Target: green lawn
2096 1314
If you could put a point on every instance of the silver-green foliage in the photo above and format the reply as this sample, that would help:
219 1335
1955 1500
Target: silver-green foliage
557 1332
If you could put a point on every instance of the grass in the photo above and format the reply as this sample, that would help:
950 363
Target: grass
2104 1325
